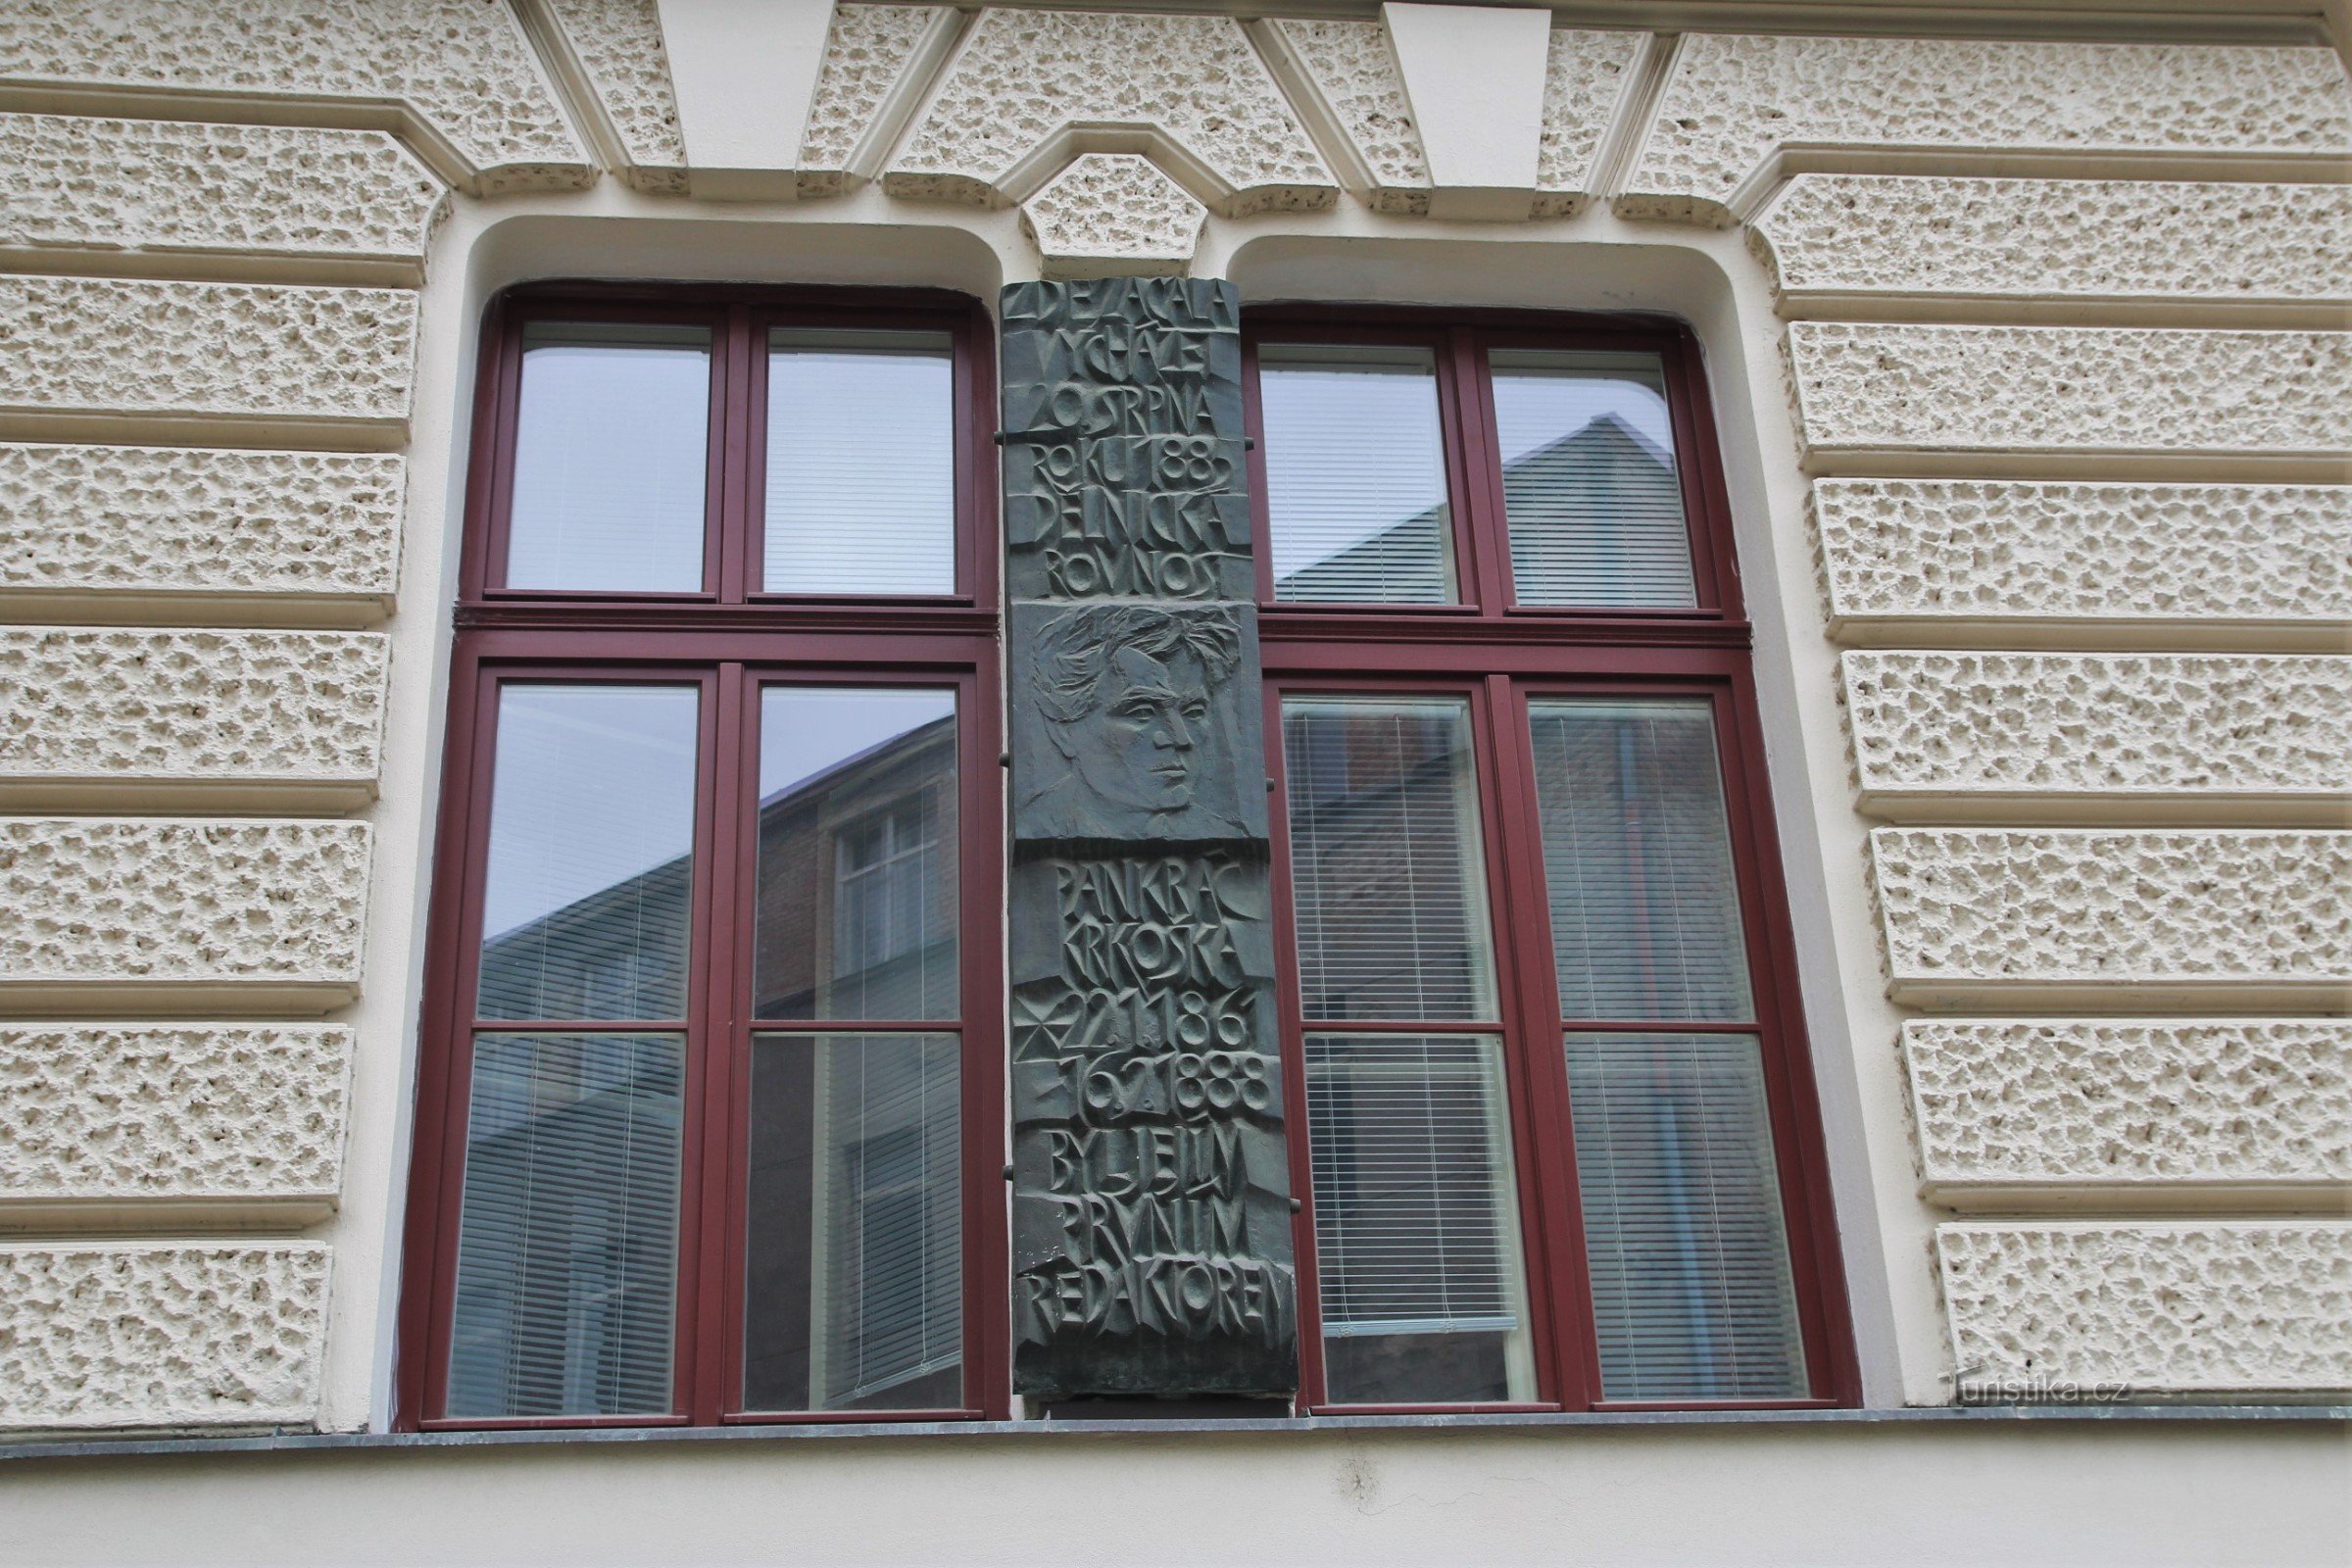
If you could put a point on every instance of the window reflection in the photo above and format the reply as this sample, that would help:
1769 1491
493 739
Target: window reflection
611 457
856 855
1356 475
854 1272
585 912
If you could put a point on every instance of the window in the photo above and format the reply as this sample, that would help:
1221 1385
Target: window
710 1112
1556 1147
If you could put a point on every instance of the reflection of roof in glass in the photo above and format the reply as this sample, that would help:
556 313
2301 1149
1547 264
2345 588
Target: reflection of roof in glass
1544 485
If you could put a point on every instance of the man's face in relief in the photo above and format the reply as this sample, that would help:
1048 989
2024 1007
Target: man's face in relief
1142 751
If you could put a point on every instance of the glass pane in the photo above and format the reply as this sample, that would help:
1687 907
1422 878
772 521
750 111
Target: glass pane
1356 475
1692 1295
1589 481
1645 906
584 914
854 1262
860 462
612 447
1423 1289
856 853
568 1253
1386 862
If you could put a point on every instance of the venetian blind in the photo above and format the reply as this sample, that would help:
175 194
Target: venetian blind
860 462
1692 1296
1637 858
1590 489
892 1283
1356 475
568 1239
1385 860
612 453
1416 1220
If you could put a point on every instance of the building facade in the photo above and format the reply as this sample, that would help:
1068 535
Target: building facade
830 781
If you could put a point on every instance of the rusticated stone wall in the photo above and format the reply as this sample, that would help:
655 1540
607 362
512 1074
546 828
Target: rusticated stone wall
1151 1225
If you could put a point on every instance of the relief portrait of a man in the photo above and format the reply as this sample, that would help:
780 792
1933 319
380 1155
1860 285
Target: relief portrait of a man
1128 698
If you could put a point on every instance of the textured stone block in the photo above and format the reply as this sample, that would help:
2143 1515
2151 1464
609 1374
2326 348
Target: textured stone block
868 54
163 1334
618 46
2101 736
461 72
1113 215
148 192
2067 1111
1351 68
147 913
1584 82
188 1123
175 353
2149 921
2123 564
995 125
1885 238
1906 390
115 715
2245 1308
273 534
1732 102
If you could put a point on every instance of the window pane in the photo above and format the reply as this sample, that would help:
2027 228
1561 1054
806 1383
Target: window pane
853 1263
1423 1289
612 446
1692 1295
1356 475
1589 481
1385 864
568 1250
860 462
856 853
1645 906
584 914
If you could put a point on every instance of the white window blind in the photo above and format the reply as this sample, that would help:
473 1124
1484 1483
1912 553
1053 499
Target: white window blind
1589 488
1416 1211
1692 1295
860 462
890 1275
1387 864
1356 475
1637 857
612 454
568 1241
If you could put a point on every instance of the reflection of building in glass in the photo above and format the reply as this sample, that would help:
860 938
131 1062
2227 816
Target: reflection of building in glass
856 879
1595 518
853 1266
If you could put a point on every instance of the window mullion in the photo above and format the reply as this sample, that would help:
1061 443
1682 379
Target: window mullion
1556 1245
1484 541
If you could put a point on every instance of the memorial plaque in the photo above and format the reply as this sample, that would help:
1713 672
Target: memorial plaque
1151 1224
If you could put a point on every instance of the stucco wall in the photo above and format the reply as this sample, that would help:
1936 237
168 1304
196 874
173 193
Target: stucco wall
2030 363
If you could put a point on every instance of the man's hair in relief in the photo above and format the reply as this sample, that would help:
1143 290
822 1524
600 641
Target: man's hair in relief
1074 654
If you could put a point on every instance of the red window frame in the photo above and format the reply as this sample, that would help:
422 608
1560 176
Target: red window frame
730 640
1498 654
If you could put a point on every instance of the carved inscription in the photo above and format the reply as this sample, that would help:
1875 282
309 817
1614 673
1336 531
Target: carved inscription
1137 517
1123 467
1151 1225
1151 1203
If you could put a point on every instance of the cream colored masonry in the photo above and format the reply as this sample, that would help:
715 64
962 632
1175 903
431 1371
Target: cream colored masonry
2064 360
